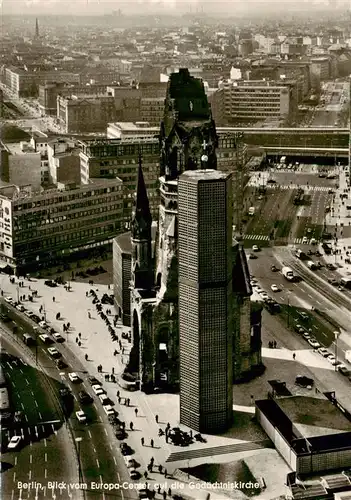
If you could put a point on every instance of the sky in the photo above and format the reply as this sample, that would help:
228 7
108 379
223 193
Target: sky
106 6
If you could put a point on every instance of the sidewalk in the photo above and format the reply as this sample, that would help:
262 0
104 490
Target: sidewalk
340 219
74 307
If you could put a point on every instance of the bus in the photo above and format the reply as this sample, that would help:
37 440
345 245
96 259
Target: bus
346 282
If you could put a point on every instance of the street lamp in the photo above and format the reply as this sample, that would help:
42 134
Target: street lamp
35 330
336 335
78 441
288 294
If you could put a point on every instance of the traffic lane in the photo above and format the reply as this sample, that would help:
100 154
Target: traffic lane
303 179
276 201
28 394
40 462
31 459
99 447
320 200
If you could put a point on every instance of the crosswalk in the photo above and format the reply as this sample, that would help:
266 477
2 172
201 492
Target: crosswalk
259 237
305 187
219 450
262 237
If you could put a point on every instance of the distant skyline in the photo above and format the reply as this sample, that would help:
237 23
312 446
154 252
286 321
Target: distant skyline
81 7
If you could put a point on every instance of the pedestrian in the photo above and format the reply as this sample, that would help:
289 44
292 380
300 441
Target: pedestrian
86 357
119 400
142 441
165 473
160 469
164 495
80 335
113 371
169 492
89 315
152 460
136 412
294 356
86 294
131 426
117 394
53 299
145 474
152 443
159 490
156 418
77 340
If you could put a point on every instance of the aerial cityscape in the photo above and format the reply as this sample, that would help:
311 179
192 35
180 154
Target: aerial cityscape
175 250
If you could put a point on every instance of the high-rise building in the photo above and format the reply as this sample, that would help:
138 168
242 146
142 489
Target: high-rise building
205 299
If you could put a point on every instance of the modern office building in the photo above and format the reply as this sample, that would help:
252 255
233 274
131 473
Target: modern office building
42 228
254 101
110 158
205 299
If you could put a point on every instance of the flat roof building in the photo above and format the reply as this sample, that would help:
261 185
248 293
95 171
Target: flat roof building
205 299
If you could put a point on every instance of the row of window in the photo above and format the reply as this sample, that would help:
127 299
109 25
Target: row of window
25 223
59 238
64 208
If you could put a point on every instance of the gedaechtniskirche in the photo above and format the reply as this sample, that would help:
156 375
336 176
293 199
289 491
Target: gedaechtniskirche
145 260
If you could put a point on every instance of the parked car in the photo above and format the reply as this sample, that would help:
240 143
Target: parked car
104 399
275 288
344 370
50 283
324 352
93 381
120 434
134 474
304 381
98 389
332 360
58 337
313 343
252 256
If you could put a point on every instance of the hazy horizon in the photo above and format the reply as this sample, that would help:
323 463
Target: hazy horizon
101 7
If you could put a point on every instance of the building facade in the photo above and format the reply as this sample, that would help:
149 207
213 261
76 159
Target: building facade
45 227
205 299
110 158
253 101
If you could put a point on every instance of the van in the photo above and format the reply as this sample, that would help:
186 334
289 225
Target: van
28 339
346 282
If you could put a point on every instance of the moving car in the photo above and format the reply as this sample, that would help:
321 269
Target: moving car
255 248
54 352
9 300
252 256
275 288
74 377
274 269
60 364
46 339
81 416
271 181
84 397
14 442
305 239
98 389
126 449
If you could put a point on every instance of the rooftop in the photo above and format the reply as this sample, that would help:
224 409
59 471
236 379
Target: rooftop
204 175
309 413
